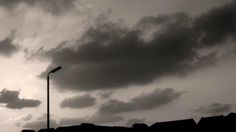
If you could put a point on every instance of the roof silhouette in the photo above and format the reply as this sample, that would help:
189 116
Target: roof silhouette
220 122
139 125
178 124
28 130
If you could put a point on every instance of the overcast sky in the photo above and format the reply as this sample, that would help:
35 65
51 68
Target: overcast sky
124 61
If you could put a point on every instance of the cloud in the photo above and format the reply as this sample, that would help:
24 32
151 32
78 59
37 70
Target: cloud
78 102
27 117
215 109
217 25
132 121
23 103
12 100
7 46
96 119
145 101
54 7
43 116
156 98
40 122
8 96
105 95
111 56
116 106
19 120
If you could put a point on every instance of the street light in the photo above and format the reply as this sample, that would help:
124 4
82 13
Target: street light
48 106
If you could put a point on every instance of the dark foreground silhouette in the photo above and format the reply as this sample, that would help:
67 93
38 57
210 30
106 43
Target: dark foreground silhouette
221 123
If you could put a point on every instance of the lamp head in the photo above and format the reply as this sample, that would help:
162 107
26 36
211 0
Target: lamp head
56 69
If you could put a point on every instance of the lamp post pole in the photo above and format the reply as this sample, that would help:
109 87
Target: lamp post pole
48 106
48 96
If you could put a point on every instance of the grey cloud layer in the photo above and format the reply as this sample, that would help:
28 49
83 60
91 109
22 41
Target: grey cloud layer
23 118
97 119
105 94
39 123
54 7
217 25
7 47
110 55
215 109
27 117
107 112
78 102
146 101
23 103
12 100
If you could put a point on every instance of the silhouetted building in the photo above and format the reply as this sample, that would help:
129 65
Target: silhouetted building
231 120
89 127
214 122
139 125
223 123
28 130
180 125
45 130
67 128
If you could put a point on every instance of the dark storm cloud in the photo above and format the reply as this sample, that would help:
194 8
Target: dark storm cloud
215 109
146 101
7 47
53 6
96 119
110 56
113 57
218 24
78 102
12 100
